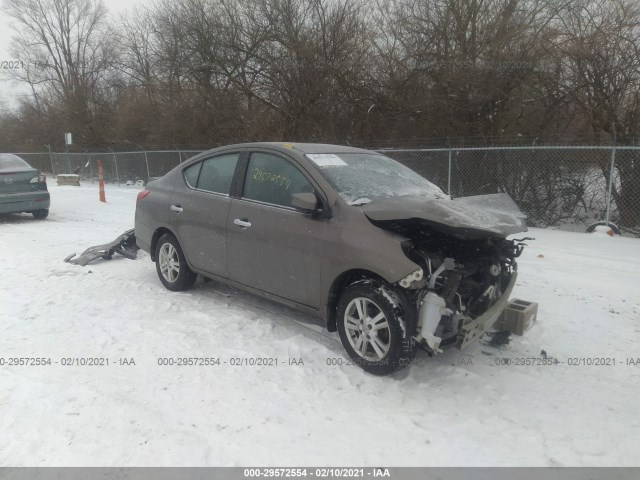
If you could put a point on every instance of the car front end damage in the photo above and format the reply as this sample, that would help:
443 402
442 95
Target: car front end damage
465 286
467 265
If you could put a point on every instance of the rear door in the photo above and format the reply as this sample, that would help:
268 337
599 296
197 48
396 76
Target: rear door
271 246
199 210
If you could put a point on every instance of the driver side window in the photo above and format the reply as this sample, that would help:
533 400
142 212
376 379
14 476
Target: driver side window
272 179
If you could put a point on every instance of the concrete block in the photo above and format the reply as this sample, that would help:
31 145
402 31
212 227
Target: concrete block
68 179
518 316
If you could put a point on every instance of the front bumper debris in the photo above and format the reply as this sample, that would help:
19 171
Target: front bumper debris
474 329
124 245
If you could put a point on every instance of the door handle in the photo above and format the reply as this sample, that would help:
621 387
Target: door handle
176 208
242 223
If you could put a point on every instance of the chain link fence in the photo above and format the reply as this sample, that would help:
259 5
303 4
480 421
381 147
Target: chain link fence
562 187
117 167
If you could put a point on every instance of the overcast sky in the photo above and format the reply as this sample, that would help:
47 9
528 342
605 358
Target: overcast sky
9 91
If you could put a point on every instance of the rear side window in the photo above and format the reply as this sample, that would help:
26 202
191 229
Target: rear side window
272 179
191 174
217 173
214 174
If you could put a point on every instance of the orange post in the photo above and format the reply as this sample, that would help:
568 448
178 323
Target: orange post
101 182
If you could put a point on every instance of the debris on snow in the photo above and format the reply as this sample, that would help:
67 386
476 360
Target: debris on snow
124 245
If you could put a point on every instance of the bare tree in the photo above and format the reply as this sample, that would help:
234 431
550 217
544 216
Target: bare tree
138 58
311 66
600 46
463 67
65 54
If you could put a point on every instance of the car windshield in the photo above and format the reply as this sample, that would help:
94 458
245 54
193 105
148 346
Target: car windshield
9 161
362 177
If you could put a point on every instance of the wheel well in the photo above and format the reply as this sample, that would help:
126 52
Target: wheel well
154 240
338 286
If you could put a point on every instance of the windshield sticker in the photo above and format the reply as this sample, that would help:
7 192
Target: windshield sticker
326 160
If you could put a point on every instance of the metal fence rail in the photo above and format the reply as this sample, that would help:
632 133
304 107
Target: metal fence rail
567 187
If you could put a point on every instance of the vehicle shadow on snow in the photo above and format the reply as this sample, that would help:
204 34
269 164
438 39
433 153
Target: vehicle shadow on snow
281 315
8 218
423 368
23 218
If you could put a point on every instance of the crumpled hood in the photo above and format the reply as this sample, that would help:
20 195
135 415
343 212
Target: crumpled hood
465 217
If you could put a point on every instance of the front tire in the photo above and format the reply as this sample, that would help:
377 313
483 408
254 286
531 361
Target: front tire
171 265
40 214
372 327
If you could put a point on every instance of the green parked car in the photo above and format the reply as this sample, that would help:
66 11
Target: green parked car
22 187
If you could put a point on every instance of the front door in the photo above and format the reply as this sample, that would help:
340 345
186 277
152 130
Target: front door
270 245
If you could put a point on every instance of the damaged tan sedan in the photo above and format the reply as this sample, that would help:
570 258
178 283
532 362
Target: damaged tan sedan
351 236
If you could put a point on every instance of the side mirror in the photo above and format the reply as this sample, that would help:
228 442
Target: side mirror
305 202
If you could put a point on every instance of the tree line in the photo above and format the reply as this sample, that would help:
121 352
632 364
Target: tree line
362 72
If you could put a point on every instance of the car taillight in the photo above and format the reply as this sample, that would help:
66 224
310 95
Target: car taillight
142 194
39 179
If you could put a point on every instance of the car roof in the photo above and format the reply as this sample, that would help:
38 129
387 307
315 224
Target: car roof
300 147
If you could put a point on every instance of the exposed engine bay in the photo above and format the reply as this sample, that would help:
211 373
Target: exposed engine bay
461 279
467 266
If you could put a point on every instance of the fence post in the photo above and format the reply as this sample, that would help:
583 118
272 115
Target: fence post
90 169
51 160
449 175
610 192
146 161
115 162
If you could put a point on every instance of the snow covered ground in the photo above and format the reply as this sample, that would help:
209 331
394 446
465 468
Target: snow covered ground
456 409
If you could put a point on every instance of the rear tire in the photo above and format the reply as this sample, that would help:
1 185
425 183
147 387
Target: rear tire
372 327
171 265
40 214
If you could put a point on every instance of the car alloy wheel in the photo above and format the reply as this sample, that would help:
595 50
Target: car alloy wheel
169 262
367 329
374 328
